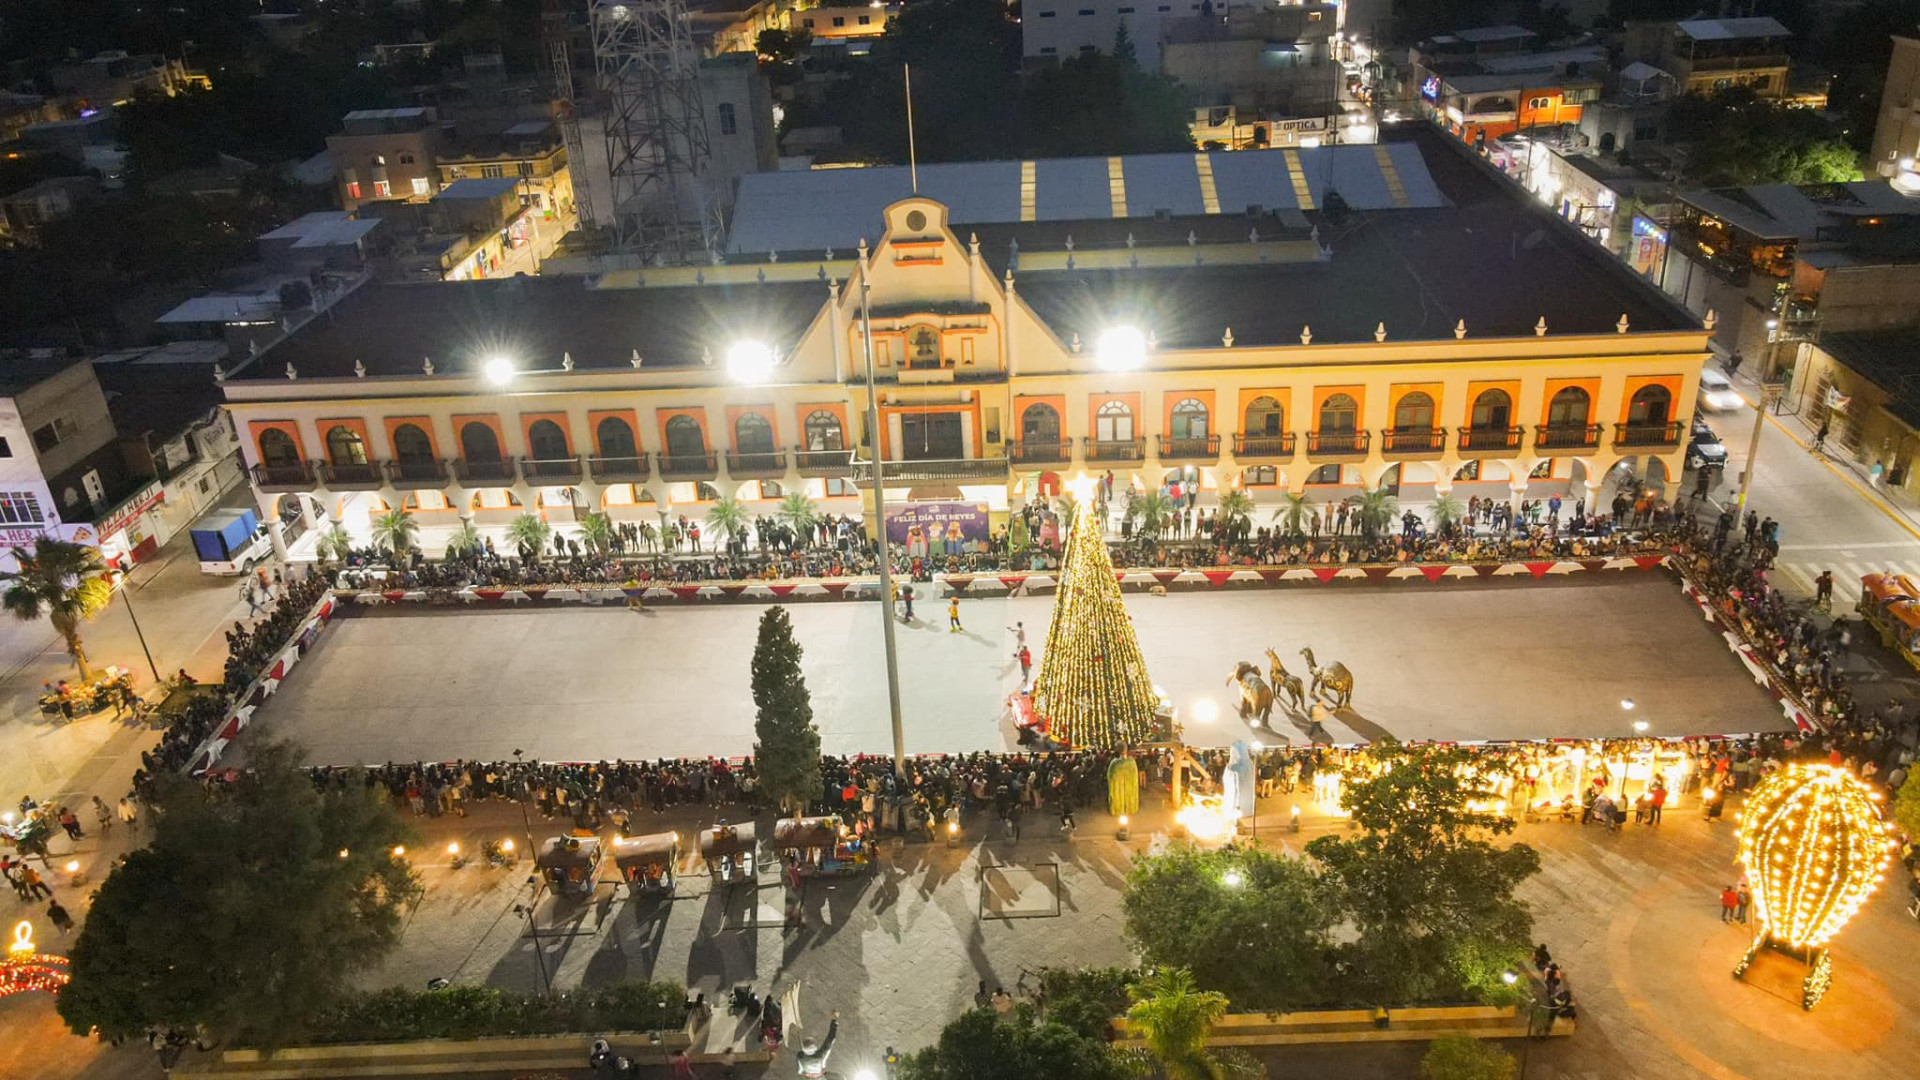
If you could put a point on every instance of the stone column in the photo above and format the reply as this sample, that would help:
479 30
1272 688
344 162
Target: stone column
277 535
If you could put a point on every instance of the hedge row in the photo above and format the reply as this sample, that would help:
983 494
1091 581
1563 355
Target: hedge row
467 1012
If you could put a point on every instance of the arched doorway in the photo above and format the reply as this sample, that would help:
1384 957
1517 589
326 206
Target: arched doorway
546 442
752 434
824 431
345 446
277 450
1040 426
479 443
614 437
1650 406
684 438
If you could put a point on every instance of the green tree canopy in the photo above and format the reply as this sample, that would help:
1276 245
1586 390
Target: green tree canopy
1458 1056
250 911
1740 139
787 752
65 582
1428 892
1100 104
1262 941
980 1046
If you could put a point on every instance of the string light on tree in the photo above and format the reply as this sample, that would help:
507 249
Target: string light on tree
1093 686
23 970
1815 847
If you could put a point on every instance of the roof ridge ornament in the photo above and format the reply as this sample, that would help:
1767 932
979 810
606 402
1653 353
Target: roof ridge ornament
829 255
1380 332
1621 326
1306 335
635 360
1540 328
219 375
1076 341
566 361
1129 241
1191 239
773 256
1226 339
706 356
1460 330
426 364
291 374
1253 235
1069 241
1712 318
359 368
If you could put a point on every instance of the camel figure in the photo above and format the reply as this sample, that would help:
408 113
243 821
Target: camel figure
1256 697
1333 684
1285 682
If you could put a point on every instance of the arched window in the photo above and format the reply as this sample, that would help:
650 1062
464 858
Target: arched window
729 124
277 449
824 431
1265 417
1113 423
752 434
1413 412
1189 419
1040 424
684 437
1569 408
1325 474
546 442
1259 476
479 443
1339 413
1651 405
410 444
771 489
345 446
615 438
1492 411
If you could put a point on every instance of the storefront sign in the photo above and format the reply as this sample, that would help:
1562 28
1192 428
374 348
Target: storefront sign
938 528
1308 126
148 498
1649 246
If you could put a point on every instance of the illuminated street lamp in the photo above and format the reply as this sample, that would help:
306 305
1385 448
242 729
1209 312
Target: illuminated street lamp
750 361
499 370
1121 348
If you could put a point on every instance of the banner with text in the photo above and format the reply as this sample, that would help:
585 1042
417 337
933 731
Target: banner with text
938 528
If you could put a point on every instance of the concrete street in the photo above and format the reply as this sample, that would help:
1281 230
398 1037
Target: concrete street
1445 661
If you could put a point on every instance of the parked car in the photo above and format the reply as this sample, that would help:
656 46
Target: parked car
1704 449
1717 393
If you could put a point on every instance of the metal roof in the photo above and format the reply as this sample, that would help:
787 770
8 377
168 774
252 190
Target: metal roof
816 209
323 228
1732 29
479 187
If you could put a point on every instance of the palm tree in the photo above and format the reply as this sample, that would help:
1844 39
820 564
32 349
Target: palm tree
1156 509
596 530
1236 508
334 545
728 515
1173 1015
798 513
465 539
395 530
67 583
528 531
1293 512
1377 509
1447 512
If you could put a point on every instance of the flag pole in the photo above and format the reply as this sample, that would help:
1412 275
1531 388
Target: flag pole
913 161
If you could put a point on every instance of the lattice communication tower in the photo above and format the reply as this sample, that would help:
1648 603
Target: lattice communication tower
657 150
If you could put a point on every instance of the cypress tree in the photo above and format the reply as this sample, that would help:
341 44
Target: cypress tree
788 749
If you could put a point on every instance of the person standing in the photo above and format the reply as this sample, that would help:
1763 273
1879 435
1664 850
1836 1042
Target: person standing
953 615
1026 665
1744 897
1729 904
906 597
1656 798
59 916
1019 637
31 879
1820 438
1823 589
129 814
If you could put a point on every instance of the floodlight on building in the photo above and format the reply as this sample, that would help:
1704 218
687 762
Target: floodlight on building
498 370
749 361
1121 348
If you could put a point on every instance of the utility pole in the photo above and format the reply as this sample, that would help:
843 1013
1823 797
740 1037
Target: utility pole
880 521
1769 394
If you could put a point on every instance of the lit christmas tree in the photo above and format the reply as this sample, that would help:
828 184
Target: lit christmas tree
1093 686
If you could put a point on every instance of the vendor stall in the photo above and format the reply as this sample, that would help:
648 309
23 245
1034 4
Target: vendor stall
730 852
647 863
820 847
570 864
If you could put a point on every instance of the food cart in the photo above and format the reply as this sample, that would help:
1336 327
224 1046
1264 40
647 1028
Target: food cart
730 852
647 863
820 847
1891 605
570 864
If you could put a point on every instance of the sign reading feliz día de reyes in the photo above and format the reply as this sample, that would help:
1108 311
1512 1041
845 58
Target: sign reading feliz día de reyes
938 528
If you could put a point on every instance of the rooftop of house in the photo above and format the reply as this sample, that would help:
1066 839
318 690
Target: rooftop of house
1786 212
22 370
1884 358
1733 29
477 187
322 228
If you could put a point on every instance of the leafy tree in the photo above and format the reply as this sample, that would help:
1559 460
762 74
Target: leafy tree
1741 139
1099 104
396 531
788 747
465 539
1086 999
1236 508
252 909
1260 942
530 533
728 516
1156 510
1376 510
1293 512
334 545
980 1046
1447 511
798 512
596 531
1906 807
65 582
965 56
1456 1056
1174 1016
1428 893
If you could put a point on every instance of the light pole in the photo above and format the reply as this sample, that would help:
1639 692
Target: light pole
126 593
1533 1006
1769 394
880 522
520 790
533 932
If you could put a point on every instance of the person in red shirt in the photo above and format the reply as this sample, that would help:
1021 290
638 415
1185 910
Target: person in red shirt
1729 904
1026 665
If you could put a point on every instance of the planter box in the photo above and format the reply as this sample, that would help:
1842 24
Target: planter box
1357 1025
442 1057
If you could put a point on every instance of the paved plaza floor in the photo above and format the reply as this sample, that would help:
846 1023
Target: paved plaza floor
1446 661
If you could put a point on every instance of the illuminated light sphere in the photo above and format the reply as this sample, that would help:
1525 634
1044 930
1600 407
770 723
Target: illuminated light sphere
1121 348
749 361
1814 847
23 970
498 370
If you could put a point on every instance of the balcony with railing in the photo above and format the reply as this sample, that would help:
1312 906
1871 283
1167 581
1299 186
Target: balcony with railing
1654 435
1566 438
1115 449
1264 446
689 466
618 470
1189 449
1491 441
1040 453
992 468
297 476
547 471
361 476
743 465
410 474
1338 444
480 472
1413 442
823 462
